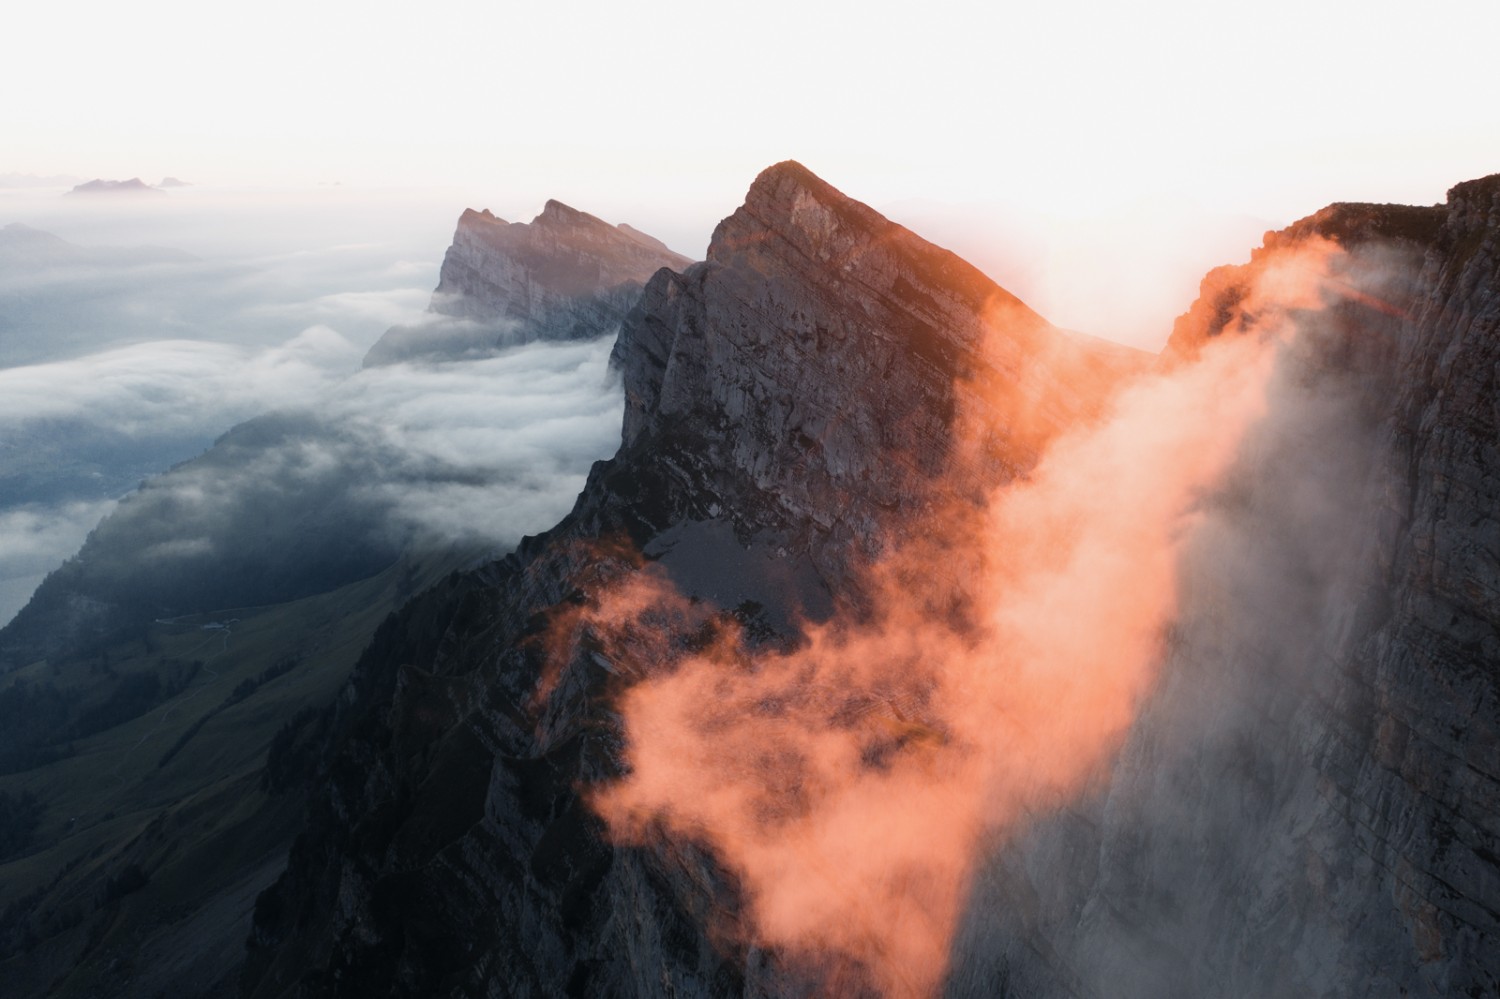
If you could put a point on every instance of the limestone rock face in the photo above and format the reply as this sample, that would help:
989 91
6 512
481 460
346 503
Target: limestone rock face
821 360
564 275
1307 803
800 387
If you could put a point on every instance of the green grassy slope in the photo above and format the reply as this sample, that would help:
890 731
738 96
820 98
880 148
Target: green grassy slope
156 833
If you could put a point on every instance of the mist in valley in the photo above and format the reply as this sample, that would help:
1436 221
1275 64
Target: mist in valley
134 334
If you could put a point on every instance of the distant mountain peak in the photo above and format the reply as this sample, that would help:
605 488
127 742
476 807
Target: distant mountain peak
132 186
564 275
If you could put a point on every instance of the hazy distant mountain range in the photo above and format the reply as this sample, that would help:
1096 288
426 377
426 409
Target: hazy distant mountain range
907 644
133 186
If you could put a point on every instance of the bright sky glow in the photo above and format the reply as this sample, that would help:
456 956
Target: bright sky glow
661 113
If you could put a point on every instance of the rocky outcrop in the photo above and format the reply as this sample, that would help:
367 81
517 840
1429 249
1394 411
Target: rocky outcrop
1308 804
822 358
565 275
798 389
1392 230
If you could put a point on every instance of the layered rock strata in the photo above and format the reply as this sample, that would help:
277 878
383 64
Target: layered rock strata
565 275
1308 805
787 400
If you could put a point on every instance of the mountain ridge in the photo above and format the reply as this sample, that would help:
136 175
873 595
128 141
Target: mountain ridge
1284 817
524 873
699 488
564 275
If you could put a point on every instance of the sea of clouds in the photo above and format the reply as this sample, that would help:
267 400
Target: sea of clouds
144 331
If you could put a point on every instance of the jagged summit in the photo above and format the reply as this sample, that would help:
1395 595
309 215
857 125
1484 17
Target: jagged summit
776 180
484 215
804 275
566 274
819 220
823 354
561 252
557 213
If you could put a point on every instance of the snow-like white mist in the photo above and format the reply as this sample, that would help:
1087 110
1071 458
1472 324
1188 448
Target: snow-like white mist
132 335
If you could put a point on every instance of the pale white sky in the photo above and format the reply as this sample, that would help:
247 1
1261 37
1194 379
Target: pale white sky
661 113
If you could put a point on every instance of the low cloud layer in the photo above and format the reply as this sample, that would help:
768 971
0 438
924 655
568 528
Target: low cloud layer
241 270
120 359
33 535
492 448
172 386
345 474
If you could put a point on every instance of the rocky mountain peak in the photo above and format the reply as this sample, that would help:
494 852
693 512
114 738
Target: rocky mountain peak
482 217
790 205
824 356
564 275
554 212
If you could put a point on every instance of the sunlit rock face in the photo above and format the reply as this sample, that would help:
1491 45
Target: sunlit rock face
791 401
1308 805
821 360
1305 800
564 275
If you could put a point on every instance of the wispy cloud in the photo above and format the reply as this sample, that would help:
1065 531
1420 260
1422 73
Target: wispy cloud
167 386
31 538
345 473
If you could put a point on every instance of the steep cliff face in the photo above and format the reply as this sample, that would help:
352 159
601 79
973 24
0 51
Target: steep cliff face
1400 234
798 389
565 275
822 359
1307 805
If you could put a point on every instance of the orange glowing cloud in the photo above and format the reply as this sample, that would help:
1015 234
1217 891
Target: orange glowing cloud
851 781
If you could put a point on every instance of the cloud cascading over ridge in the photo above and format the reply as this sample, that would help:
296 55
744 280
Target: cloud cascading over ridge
851 782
